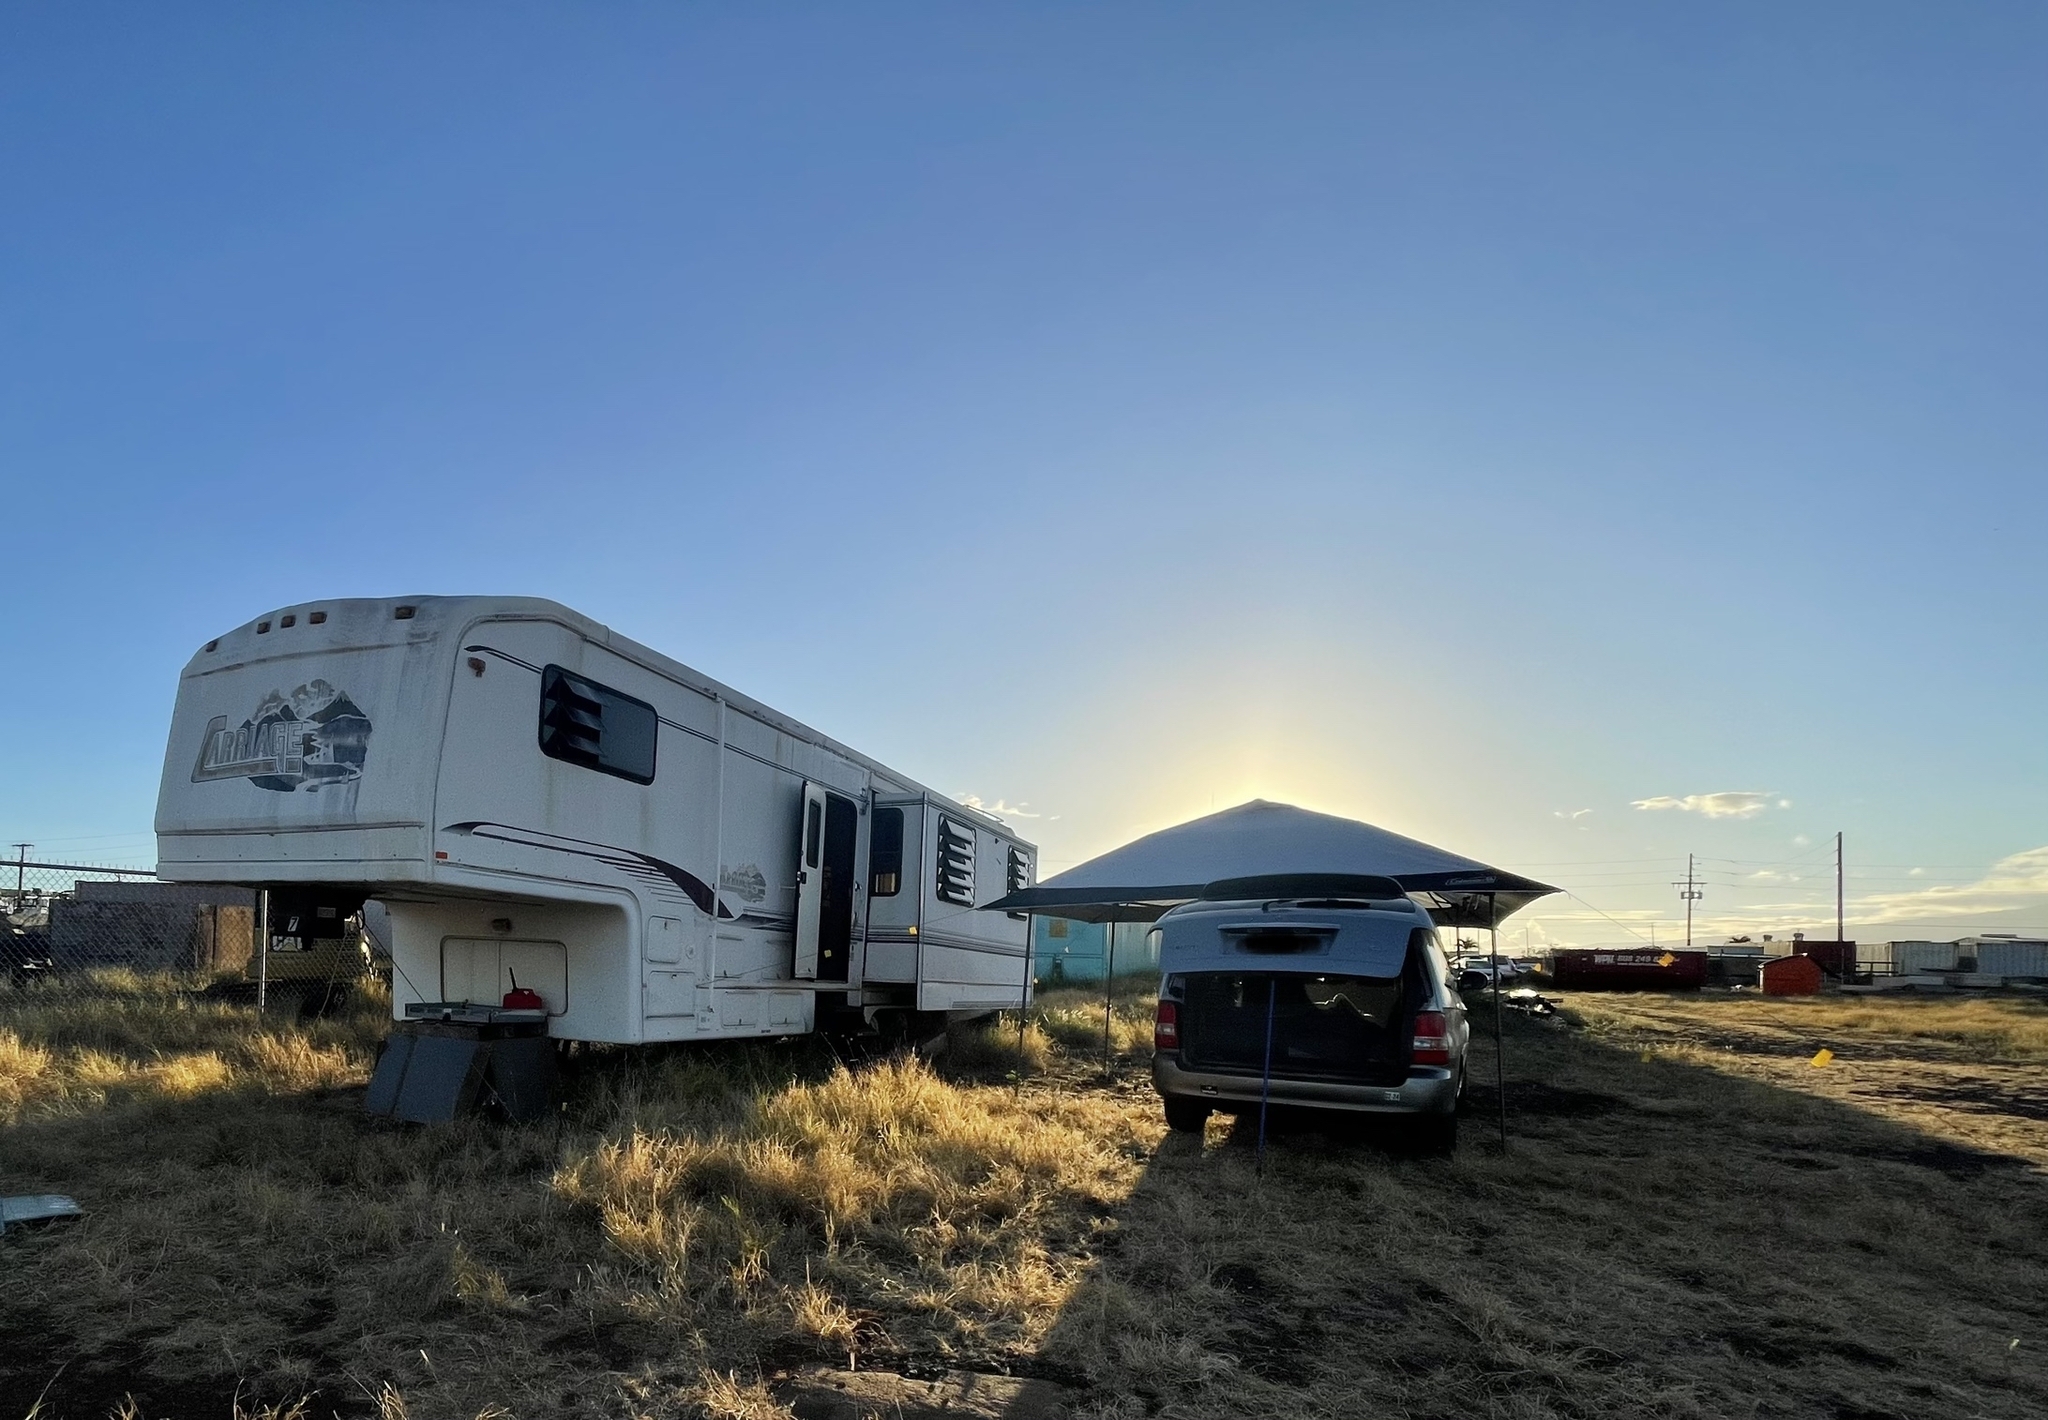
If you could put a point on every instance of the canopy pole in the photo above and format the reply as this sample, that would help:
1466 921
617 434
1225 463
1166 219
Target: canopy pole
1266 1077
1024 1001
1108 953
1500 1064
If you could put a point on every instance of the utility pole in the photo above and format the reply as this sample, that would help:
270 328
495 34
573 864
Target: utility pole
20 868
1838 888
1690 891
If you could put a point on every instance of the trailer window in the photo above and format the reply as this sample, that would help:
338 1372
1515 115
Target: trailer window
885 854
582 722
814 828
956 863
1017 875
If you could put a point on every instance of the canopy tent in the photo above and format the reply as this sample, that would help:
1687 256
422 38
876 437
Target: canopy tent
1141 880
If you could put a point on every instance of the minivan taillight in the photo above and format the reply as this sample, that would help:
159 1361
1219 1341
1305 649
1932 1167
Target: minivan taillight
1166 1026
1432 1044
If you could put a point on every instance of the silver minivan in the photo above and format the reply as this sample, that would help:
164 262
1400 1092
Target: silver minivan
1321 991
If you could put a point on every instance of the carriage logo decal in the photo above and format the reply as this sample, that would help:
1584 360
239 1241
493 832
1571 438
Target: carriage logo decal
313 737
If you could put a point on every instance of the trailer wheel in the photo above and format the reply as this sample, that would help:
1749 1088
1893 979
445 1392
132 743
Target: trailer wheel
1186 1116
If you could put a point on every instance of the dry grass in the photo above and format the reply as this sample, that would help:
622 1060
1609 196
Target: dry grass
1962 1070
2006 1028
915 1214
1072 1017
121 1039
1683 1227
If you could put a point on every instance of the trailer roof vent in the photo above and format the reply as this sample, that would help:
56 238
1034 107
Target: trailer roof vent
955 877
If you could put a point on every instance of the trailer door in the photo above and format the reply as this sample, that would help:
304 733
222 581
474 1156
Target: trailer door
810 881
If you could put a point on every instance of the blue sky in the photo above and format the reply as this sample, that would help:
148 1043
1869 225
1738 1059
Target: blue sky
1477 420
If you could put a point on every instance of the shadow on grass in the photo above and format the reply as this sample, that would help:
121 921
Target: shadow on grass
1658 1239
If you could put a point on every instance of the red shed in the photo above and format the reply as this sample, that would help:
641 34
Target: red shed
1791 976
1645 969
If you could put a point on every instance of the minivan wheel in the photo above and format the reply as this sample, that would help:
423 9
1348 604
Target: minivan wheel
1186 1116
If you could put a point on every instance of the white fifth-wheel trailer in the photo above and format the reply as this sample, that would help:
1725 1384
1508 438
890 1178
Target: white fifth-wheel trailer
543 804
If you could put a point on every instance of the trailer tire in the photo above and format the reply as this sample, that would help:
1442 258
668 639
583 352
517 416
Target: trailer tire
1186 1116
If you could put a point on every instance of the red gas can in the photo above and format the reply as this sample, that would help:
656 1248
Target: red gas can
523 998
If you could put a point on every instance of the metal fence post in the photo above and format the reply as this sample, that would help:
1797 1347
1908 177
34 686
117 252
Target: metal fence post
262 948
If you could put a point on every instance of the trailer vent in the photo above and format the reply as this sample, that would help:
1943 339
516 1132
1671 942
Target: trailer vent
1017 876
956 863
582 722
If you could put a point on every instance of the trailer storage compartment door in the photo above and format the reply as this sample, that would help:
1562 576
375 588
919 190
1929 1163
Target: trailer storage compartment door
482 969
1337 1028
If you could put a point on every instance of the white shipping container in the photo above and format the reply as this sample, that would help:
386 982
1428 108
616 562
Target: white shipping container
1911 957
2007 956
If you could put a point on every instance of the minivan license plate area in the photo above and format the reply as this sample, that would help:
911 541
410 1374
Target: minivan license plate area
1334 1028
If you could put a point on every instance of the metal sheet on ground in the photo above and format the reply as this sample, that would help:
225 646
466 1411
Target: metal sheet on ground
441 1079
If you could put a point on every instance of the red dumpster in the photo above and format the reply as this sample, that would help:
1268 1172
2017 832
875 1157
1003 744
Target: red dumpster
1791 976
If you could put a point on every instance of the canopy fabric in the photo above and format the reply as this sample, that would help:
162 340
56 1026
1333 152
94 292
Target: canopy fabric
1141 880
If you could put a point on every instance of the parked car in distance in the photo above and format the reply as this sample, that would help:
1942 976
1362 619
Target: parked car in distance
1321 991
1476 973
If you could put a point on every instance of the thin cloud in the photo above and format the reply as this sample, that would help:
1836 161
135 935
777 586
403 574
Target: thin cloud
1728 803
998 808
2019 881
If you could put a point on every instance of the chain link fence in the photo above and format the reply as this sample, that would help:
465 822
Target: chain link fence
83 929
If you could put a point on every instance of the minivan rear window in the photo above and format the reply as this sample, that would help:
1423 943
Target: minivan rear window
1339 1028
1372 998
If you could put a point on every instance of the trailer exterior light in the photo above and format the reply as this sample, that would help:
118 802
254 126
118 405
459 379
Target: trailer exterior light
404 613
1166 1026
1432 1044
